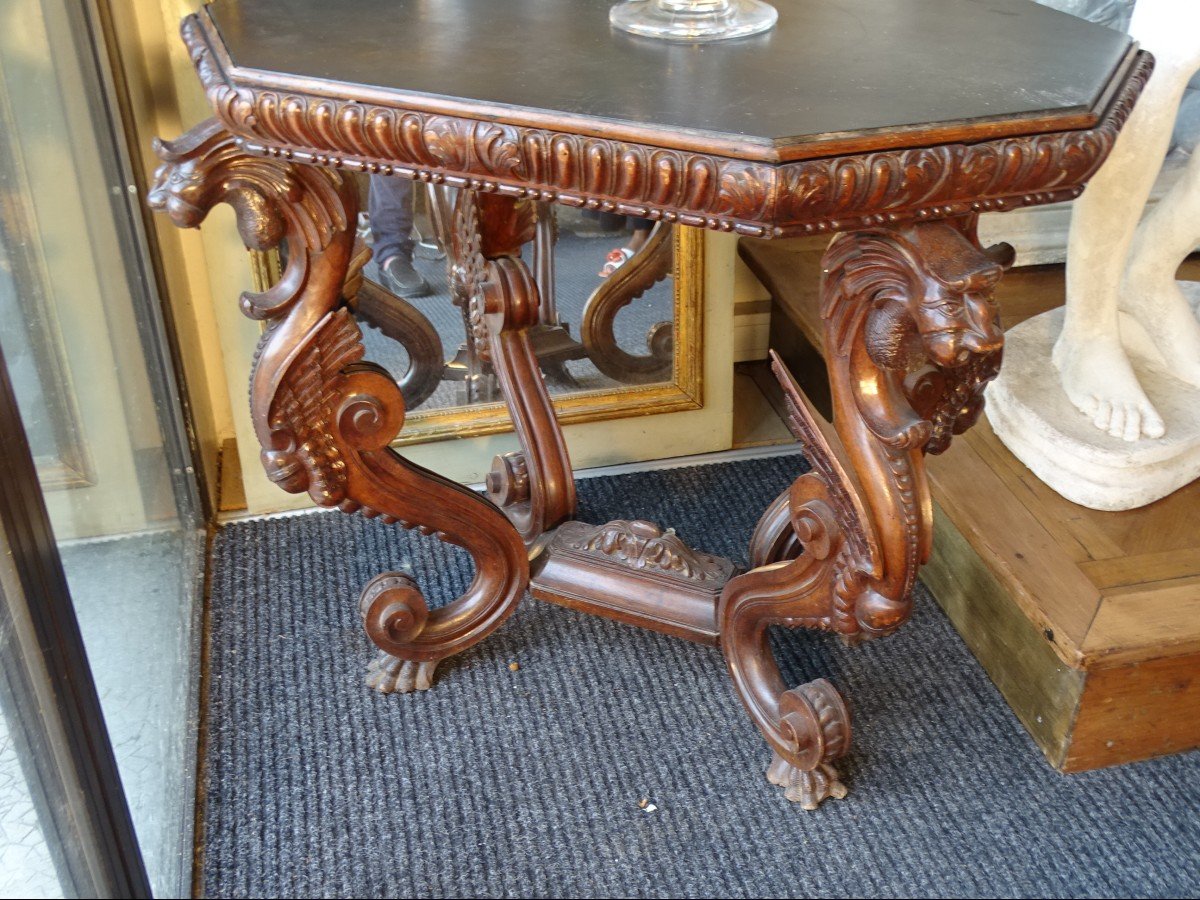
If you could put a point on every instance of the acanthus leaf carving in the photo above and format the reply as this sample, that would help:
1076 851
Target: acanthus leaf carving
643 545
756 198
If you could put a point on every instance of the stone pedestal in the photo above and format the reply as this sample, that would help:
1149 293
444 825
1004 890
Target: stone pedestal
1030 413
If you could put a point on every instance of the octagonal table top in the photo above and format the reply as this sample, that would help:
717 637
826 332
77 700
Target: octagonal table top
849 114
882 72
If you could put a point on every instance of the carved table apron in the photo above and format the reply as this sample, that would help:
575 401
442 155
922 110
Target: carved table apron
910 324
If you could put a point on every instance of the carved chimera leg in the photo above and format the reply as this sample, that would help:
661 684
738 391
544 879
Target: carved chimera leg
814 710
912 338
325 418
534 486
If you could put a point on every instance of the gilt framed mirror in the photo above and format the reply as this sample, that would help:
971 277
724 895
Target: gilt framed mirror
621 312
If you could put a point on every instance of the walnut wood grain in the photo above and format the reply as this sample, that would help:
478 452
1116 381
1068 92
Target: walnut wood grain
912 337
907 315
324 417
835 193
774 538
831 74
636 573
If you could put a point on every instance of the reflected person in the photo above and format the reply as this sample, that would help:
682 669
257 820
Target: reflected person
390 209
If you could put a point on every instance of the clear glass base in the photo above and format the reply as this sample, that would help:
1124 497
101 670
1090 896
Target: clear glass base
694 20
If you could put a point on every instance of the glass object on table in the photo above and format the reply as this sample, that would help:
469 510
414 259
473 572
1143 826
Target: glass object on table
694 20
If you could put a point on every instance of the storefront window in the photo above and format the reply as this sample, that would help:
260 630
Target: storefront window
80 330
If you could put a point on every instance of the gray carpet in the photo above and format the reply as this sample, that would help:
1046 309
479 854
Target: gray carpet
527 783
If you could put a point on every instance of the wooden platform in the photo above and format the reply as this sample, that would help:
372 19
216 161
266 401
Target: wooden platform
1088 622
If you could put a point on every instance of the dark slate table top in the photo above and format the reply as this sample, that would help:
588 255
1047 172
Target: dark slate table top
831 71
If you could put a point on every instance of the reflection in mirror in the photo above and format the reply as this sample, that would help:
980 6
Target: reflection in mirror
607 298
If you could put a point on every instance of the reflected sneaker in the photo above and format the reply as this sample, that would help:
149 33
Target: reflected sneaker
615 260
402 279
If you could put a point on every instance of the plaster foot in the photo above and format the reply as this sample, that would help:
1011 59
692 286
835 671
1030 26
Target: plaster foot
1099 380
1160 306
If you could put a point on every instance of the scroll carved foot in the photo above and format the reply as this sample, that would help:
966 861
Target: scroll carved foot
816 725
391 675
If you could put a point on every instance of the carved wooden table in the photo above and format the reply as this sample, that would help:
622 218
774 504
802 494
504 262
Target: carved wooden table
894 124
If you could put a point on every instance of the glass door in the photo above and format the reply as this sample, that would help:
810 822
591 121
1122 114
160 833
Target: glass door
82 332
65 829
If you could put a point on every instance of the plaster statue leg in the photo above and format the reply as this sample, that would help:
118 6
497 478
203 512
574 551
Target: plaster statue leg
1096 372
1150 292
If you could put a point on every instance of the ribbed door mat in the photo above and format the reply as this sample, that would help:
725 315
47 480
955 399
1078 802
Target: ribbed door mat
529 783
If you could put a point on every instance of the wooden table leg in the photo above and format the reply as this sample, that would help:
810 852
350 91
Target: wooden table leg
912 338
325 418
535 485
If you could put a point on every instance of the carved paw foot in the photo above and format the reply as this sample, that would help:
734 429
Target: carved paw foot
390 675
806 787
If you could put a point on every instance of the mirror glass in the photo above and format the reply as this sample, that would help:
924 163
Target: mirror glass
608 303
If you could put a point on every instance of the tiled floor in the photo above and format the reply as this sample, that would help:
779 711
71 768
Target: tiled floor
26 869
134 606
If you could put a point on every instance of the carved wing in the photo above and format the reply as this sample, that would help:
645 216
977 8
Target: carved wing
843 497
304 408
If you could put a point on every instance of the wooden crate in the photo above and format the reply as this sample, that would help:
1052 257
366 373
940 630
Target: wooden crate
1088 622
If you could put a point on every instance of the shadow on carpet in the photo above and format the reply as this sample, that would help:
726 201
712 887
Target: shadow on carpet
527 783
